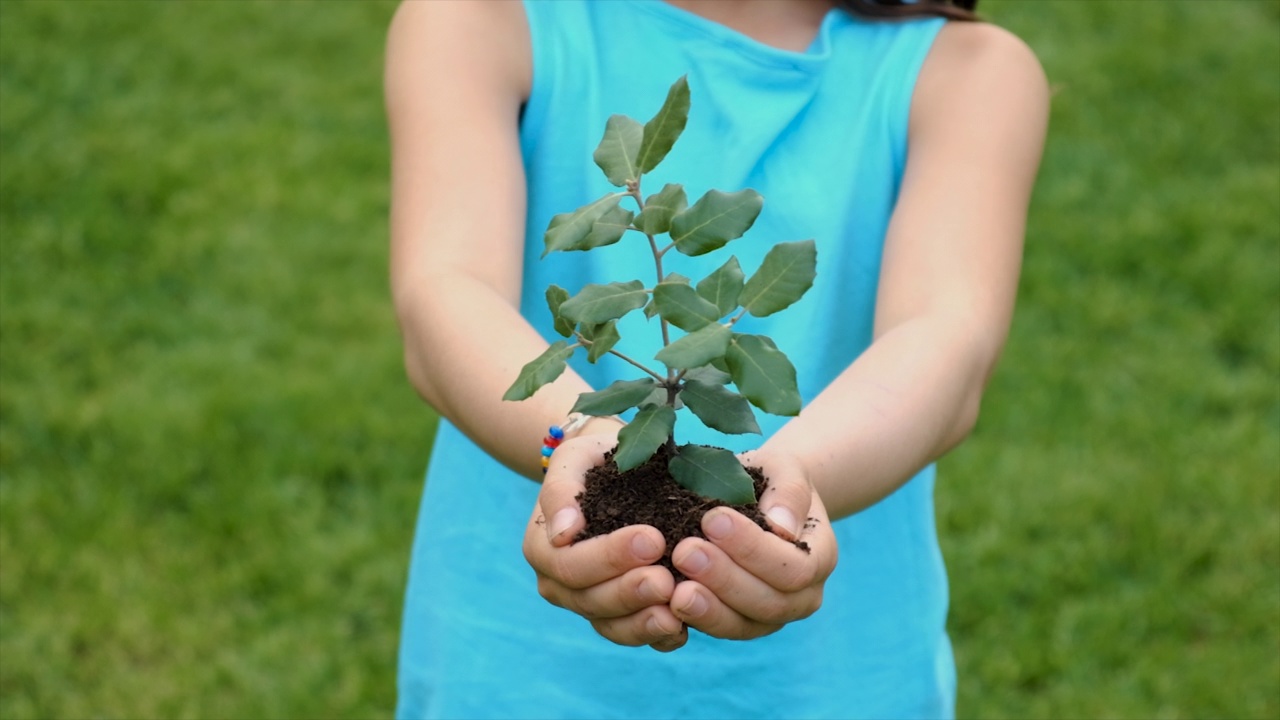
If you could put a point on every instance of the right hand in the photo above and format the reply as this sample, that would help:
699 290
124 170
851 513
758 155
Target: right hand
609 580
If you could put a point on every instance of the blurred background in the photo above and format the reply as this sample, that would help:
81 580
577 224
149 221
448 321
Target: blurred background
210 459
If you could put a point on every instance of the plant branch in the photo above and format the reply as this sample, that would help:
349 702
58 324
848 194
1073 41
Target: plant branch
633 188
584 342
651 373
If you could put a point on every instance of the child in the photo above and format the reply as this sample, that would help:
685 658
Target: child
905 146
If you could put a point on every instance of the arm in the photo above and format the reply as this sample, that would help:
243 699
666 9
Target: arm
949 277
457 238
456 74
947 287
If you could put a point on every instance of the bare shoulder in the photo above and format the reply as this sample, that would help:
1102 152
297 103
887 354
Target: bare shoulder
477 43
977 47
974 63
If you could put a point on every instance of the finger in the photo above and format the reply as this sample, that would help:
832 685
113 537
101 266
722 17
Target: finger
785 503
655 626
740 590
673 643
777 562
698 607
594 560
629 593
565 481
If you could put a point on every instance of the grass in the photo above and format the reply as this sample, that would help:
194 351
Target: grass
209 458
1113 527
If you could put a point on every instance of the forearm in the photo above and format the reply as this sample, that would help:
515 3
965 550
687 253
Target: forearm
464 346
911 397
948 277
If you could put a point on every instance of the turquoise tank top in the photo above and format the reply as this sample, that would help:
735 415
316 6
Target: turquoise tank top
822 135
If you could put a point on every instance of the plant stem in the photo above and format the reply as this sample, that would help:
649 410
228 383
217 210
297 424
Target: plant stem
734 320
633 187
657 260
583 342
655 375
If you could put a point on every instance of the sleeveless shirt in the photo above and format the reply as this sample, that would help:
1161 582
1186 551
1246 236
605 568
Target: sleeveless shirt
822 135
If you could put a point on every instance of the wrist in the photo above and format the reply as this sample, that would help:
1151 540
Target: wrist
601 426
575 426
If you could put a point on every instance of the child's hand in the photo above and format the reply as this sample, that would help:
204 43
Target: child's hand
609 580
746 582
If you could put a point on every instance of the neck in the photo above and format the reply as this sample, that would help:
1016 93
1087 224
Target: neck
784 24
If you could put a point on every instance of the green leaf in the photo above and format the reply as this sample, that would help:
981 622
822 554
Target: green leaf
541 370
617 398
608 230
602 303
719 408
785 275
708 374
682 306
660 208
651 310
556 296
763 374
573 231
723 287
603 337
712 473
661 132
714 220
643 435
616 154
659 397
697 348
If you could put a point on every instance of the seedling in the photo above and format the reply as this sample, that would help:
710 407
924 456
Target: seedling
697 367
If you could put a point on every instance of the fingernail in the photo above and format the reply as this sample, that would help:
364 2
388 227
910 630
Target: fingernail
645 548
655 628
695 607
719 525
648 594
695 562
563 520
782 517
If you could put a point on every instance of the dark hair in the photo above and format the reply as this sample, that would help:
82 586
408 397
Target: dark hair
953 9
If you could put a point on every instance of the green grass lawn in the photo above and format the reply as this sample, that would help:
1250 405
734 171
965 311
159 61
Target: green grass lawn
210 459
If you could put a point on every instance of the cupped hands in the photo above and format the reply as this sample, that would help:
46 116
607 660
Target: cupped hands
743 582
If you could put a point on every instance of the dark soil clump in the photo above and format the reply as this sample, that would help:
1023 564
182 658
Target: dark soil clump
647 495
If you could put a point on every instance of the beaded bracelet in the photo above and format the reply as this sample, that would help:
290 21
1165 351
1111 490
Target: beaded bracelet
555 436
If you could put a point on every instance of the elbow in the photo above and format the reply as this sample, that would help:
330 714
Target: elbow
966 419
416 364
419 378
969 401
978 355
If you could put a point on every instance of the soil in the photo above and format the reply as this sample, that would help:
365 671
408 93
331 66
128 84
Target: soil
647 495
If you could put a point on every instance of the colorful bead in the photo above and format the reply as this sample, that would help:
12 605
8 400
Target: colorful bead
555 436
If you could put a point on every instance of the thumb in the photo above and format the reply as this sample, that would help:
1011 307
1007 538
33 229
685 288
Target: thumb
786 499
565 481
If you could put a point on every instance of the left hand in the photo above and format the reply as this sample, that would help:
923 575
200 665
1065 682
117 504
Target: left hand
745 582
610 580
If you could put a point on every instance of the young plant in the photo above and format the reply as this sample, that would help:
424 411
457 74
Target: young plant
698 366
